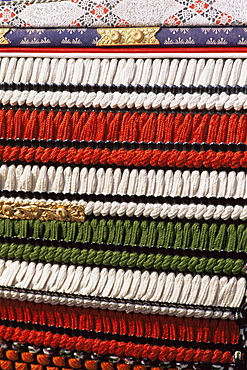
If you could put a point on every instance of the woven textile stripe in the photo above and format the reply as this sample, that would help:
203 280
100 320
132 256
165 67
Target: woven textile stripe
152 153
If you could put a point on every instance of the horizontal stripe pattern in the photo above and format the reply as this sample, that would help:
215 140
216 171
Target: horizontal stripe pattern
122 157
118 348
118 305
121 323
48 72
124 181
124 71
18 208
188 235
117 100
123 127
133 285
123 259
105 160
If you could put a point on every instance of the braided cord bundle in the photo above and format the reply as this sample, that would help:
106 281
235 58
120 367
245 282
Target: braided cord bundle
140 233
138 127
101 347
121 323
124 259
122 157
124 181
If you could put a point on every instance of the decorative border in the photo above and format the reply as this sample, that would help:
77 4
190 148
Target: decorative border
41 210
165 37
120 52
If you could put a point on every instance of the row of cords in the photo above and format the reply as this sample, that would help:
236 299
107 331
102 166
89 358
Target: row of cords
131 324
127 284
121 71
123 259
122 157
103 347
82 360
155 308
202 236
142 97
77 210
131 127
123 181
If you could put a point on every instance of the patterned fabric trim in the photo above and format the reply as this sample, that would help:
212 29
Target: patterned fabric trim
167 37
117 13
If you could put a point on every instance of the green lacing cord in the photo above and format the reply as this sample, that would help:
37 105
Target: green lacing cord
187 242
195 231
213 237
134 233
144 233
111 225
128 225
179 235
152 234
134 261
204 236
161 230
119 233
231 238
123 259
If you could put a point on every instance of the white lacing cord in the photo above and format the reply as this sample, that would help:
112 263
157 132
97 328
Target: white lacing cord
121 71
241 288
179 288
118 100
219 184
93 302
153 210
165 210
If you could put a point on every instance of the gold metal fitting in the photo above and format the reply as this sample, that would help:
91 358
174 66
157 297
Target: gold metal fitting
128 36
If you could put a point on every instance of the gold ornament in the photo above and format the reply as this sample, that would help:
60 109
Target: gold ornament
3 32
41 210
128 36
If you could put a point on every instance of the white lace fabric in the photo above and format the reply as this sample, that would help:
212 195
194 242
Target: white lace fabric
115 13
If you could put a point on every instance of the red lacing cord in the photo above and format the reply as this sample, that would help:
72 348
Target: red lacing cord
36 367
27 357
132 324
32 127
102 128
113 129
161 127
3 123
123 126
90 127
50 128
104 347
124 367
42 116
59 361
91 365
10 123
201 132
75 363
12 355
122 157
52 368
222 129
43 359
241 129
198 330
148 131
21 366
